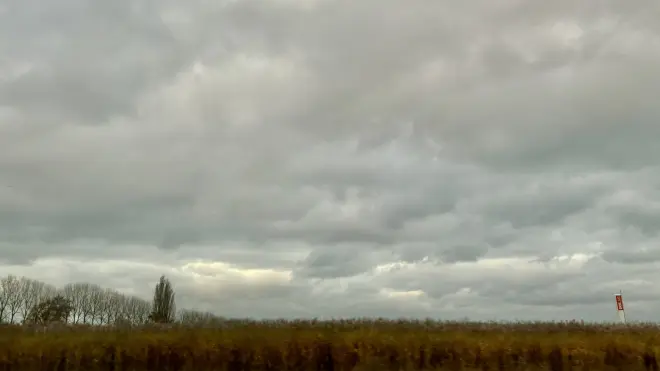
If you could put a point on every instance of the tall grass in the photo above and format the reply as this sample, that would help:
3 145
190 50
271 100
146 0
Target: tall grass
334 345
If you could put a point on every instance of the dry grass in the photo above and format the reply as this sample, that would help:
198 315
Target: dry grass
338 345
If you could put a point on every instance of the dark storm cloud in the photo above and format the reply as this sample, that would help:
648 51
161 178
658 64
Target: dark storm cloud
332 158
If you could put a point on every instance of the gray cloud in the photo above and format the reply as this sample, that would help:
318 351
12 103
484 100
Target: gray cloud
324 158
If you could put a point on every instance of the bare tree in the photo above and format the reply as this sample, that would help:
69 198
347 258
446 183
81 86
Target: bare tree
164 308
73 292
140 310
132 310
85 302
130 304
48 292
113 306
31 291
96 304
11 288
103 304
4 302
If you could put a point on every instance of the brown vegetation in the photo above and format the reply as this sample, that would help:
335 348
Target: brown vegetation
337 345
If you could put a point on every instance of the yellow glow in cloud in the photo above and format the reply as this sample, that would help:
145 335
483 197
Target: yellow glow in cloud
399 265
211 271
397 294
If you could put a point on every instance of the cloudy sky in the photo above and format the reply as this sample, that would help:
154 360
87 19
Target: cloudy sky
319 158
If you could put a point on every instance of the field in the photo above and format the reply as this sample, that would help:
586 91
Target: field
337 345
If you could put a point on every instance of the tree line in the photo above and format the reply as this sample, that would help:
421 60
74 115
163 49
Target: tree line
28 301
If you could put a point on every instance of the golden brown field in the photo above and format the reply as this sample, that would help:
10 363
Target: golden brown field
336 345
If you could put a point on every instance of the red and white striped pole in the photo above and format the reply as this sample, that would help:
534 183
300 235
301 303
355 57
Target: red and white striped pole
619 307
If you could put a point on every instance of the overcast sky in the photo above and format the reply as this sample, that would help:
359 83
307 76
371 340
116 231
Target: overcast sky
320 158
